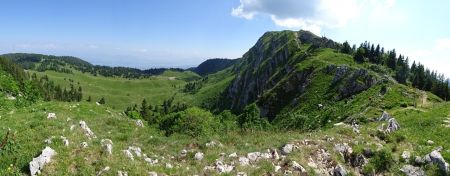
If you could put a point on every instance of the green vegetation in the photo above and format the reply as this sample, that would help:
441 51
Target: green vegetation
290 88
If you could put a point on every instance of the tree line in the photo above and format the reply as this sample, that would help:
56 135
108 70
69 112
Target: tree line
415 75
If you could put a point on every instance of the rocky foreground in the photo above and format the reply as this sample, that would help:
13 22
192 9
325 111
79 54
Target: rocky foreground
326 155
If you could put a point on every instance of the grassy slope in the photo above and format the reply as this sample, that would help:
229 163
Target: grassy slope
120 92
32 128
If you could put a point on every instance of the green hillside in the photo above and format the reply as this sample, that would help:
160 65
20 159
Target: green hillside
294 104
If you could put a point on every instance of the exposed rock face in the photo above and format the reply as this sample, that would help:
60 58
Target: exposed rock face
223 168
37 164
297 167
412 171
87 130
122 173
244 161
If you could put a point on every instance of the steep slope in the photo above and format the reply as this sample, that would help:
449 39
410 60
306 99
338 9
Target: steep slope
298 70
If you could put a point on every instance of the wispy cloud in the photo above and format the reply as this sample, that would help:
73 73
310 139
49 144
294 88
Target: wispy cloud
311 15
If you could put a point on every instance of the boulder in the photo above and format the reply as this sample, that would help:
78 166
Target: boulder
128 154
339 171
406 155
244 161
435 157
274 154
384 117
297 167
254 156
198 156
286 149
51 115
430 142
392 125
151 161
277 168
37 164
137 151
87 131
107 145
223 168
410 170
183 153
104 170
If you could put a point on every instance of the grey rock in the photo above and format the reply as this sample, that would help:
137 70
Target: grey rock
288 148
339 171
392 125
107 145
435 157
410 170
198 156
38 163
384 117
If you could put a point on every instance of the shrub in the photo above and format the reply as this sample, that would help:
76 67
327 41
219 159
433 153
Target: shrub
250 119
382 160
193 122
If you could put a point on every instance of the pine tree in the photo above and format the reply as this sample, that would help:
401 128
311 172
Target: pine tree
346 48
359 55
144 110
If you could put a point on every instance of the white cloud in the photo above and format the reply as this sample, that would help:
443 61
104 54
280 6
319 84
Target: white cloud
311 15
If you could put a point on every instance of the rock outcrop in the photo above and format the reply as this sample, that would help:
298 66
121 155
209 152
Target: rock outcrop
87 131
37 164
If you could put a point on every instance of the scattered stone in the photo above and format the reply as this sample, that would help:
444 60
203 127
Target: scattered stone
355 127
384 117
274 154
233 155
37 164
122 173
244 161
87 130
223 168
183 153
84 145
198 156
152 174
392 125
169 166
339 124
344 149
241 174
51 115
406 155
320 106
10 97
49 140
97 103
419 160
277 168
107 145
136 150
288 148
151 161
213 144
254 156
106 169
128 154
412 171
297 167
435 157
65 141
139 123
339 171
430 142
72 127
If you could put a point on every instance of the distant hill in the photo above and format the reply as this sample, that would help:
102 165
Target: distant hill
213 65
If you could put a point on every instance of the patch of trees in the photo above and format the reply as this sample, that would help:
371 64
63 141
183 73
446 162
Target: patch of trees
50 91
213 65
416 75
193 86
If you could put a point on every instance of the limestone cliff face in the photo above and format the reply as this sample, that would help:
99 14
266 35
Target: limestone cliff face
268 73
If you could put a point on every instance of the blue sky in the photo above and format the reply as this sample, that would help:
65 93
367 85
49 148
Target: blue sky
179 33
